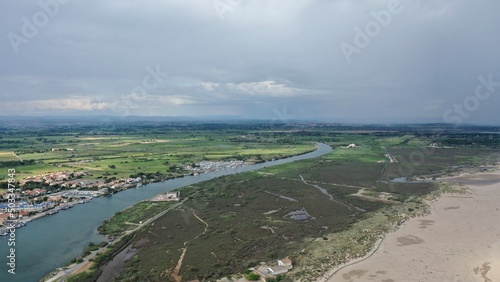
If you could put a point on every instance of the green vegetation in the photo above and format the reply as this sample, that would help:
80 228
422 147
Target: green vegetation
83 277
92 247
248 220
278 278
252 276
311 211
131 217
140 150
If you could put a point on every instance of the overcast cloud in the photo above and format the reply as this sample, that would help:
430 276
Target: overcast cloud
253 59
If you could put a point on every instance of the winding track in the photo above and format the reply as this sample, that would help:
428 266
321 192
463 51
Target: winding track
323 190
175 272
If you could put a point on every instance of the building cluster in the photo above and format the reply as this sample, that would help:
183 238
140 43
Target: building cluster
70 180
350 146
34 201
54 178
265 271
34 193
168 197
25 208
67 180
62 149
283 266
208 166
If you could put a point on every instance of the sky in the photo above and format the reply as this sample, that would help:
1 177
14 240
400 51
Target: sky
338 60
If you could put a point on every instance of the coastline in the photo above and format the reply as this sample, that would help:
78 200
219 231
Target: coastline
457 241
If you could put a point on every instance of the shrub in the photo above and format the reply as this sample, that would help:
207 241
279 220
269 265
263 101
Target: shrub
252 276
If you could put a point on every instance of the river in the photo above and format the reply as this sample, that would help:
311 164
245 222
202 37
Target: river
50 242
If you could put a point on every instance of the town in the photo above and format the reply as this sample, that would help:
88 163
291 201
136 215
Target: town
56 191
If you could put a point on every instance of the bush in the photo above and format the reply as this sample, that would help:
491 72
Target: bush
280 277
252 276
84 277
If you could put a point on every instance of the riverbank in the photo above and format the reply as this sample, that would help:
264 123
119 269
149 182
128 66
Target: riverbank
457 241
117 261
123 185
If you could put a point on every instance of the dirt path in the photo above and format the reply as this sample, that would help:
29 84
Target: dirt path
379 199
382 175
281 196
325 183
83 268
206 225
323 190
131 223
17 156
175 273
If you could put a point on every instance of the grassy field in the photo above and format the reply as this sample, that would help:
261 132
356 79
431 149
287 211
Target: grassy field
124 155
130 218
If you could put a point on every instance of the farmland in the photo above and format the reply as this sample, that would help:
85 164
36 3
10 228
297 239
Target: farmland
138 150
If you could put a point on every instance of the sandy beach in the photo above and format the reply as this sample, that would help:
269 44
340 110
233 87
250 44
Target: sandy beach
459 241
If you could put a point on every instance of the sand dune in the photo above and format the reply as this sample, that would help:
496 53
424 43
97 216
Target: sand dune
459 241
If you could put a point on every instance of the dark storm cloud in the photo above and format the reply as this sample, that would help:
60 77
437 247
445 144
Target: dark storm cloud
249 58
